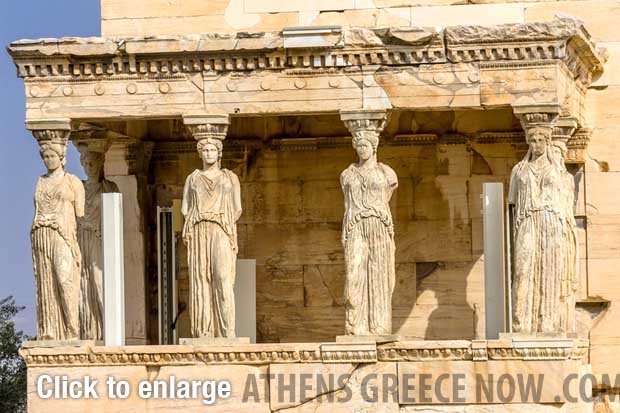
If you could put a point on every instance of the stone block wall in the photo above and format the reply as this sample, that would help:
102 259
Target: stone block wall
308 285
289 170
164 17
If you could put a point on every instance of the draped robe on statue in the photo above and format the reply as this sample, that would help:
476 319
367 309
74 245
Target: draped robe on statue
570 279
537 192
368 238
211 236
56 256
91 282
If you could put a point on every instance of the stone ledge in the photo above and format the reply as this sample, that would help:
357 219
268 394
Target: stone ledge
103 57
260 354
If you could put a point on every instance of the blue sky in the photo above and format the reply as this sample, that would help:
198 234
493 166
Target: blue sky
20 164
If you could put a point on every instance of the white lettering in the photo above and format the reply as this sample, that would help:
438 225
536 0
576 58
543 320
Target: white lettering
224 390
144 389
40 393
89 388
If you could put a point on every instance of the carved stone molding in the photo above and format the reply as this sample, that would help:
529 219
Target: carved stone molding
172 355
514 138
425 351
260 354
537 117
349 353
540 353
414 139
235 147
564 129
90 138
540 349
309 144
577 146
207 126
52 130
158 56
364 121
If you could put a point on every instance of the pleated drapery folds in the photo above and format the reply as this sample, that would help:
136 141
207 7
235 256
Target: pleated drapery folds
368 240
212 264
211 237
370 278
56 256
545 248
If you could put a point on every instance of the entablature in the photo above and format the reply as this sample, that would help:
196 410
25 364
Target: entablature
309 71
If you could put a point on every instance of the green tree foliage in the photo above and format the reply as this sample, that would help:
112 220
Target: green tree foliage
12 366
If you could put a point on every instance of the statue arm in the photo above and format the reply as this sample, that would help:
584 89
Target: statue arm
236 195
392 180
34 199
343 238
80 196
344 192
512 190
185 201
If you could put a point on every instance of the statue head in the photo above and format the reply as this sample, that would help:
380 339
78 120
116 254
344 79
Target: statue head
92 162
538 139
210 150
92 157
53 154
558 152
365 144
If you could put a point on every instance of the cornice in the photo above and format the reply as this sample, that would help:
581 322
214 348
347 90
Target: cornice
74 58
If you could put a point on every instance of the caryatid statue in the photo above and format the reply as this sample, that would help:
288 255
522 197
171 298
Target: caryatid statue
92 156
564 129
368 230
58 200
211 206
544 241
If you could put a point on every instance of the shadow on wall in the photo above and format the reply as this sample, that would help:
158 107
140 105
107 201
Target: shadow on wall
446 303
453 317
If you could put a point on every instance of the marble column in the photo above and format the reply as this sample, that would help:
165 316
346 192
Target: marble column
544 254
92 156
563 131
57 261
211 207
368 229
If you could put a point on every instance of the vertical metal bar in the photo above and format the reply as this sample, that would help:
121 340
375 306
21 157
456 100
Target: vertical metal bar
173 278
159 278
509 249
494 259
113 269
167 308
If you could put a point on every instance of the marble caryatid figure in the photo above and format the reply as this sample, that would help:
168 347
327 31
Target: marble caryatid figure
58 200
368 234
92 156
211 206
570 279
544 249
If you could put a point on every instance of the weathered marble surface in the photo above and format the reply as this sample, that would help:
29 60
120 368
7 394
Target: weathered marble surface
59 200
545 243
409 68
368 230
92 157
211 206
269 377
